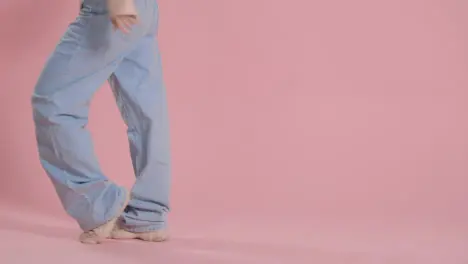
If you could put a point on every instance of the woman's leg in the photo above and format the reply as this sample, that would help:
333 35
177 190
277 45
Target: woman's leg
86 56
139 89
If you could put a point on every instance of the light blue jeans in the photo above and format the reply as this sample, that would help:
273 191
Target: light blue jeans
89 53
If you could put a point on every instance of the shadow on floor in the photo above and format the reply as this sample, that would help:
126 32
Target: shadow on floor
203 250
178 249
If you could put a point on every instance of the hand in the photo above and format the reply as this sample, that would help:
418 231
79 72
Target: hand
124 23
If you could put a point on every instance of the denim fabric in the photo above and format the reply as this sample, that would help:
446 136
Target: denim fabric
90 53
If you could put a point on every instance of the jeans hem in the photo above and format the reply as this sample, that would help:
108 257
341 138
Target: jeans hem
145 229
115 209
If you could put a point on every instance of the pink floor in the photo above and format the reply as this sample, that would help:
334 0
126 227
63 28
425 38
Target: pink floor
33 238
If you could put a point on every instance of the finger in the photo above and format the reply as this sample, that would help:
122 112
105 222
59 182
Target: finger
124 22
127 23
131 20
115 24
135 19
121 26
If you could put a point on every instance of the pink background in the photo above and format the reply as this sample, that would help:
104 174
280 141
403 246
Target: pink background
335 125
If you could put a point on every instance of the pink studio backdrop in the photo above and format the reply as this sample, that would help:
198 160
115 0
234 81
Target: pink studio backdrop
289 116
